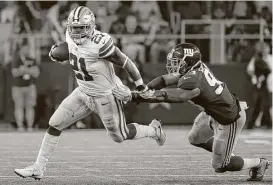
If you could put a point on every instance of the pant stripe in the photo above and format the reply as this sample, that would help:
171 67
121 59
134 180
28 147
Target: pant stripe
230 143
123 123
120 120
124 118
227 147
233 140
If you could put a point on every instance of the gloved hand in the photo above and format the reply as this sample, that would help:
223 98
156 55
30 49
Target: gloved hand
142 88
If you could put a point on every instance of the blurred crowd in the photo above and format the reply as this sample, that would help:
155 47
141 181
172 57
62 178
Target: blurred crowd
152 21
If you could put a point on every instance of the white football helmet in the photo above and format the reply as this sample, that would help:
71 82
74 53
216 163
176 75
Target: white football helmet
80 24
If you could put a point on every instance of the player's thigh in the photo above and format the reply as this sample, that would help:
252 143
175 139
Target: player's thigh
201 130
112 115
18 96
30 96
225 140
72 109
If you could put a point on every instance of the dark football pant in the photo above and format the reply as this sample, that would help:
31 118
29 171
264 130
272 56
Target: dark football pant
225 136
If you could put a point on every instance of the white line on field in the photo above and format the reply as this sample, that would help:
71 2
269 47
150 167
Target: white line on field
105 176
120 156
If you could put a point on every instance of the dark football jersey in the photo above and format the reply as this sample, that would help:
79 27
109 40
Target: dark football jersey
215 98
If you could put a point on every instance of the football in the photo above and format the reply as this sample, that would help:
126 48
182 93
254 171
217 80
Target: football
61 53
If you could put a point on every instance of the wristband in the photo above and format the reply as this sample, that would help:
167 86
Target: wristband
139 82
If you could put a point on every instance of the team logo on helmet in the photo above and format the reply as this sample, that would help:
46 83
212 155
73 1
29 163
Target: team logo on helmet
188 52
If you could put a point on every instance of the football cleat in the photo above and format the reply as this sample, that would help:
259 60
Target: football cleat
257 173
32 171
160 136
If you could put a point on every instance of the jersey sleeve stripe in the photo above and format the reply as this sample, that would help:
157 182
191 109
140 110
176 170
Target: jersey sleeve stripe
107 52
107 45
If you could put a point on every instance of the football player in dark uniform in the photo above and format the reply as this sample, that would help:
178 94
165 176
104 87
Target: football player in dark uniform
218 126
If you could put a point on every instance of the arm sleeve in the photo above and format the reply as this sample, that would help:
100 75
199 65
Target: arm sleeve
188 82
107 47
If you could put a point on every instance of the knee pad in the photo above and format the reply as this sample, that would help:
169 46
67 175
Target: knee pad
113 130
193 138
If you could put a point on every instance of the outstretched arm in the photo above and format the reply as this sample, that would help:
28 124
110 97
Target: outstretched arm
163 81
173 95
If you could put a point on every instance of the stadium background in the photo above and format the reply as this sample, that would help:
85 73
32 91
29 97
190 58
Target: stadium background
225 32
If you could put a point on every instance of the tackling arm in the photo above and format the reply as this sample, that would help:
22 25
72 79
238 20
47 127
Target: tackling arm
163 81
175 95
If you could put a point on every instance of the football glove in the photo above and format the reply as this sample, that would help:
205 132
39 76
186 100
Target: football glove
142 88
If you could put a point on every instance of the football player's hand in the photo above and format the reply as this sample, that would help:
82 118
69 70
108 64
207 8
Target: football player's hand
142 88
148 94
50 54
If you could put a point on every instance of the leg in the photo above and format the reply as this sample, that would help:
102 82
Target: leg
201 134
70 110
30 102
112 115
226 137
18 98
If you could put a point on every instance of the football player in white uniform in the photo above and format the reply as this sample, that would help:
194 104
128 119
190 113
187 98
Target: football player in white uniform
92 55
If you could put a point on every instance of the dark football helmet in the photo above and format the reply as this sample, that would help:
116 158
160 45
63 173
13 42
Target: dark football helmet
183 58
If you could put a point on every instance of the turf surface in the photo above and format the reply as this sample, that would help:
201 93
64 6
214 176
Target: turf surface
89 157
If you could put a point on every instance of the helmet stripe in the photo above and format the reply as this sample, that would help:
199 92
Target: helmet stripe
79 12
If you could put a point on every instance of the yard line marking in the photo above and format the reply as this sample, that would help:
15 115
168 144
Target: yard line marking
103 177
184 175
104 162
117 156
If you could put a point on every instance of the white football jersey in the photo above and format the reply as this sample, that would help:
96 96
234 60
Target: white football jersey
95 75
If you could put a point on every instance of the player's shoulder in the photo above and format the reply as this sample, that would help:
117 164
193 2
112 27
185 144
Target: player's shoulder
105 43
190 80
101 38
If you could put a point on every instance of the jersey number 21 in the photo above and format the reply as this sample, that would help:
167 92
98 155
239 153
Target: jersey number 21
74 62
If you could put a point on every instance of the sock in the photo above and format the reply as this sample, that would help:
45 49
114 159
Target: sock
49 143
19 117
236 164
141 131
30 116
251 163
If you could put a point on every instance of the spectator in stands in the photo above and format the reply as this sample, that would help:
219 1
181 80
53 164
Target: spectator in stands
144 10
159 45
266 15
240 9
259 69
57 16
8 13
133 42
24 71
117 28
218 10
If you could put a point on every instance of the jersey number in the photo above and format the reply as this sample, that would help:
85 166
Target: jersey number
213 81
74 62
97 38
